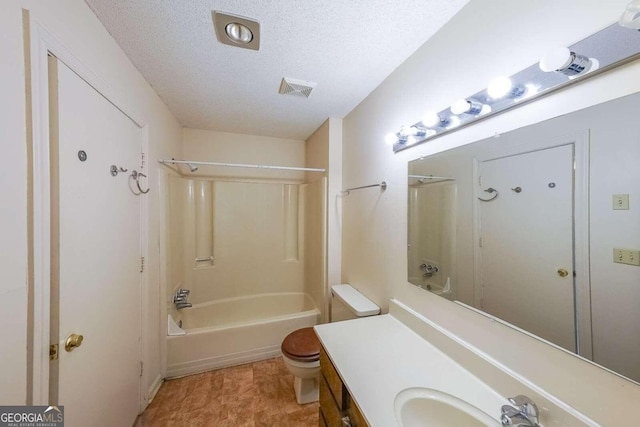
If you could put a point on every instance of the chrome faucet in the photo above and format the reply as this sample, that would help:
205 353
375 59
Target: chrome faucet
429 269
180 299
523 413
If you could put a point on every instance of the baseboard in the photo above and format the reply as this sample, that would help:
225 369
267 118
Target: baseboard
217 362
153 390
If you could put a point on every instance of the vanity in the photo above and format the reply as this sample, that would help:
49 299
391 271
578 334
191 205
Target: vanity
398 369
404 369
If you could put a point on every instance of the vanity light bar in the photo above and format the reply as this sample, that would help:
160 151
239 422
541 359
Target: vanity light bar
561 67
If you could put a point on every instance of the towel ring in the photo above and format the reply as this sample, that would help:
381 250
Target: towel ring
136 177
490 191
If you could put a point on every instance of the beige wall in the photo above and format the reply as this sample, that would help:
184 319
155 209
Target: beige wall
76 27
224 147
324 150
313 203
487 39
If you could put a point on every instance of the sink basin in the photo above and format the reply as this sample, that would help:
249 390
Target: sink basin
421 407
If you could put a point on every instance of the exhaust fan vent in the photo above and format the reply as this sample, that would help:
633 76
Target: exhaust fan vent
296 87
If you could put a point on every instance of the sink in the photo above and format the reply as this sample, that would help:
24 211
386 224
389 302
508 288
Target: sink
421 407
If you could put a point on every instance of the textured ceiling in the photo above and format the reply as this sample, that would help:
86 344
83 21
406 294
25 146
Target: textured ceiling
348 47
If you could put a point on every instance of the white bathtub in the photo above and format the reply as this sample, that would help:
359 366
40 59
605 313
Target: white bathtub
237 330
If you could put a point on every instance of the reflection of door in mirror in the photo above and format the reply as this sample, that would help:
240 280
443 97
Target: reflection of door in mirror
431 242
526 236
604 139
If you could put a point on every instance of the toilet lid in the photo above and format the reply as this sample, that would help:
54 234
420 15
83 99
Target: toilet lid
302 345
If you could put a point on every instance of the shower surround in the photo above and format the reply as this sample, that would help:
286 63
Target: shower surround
252 252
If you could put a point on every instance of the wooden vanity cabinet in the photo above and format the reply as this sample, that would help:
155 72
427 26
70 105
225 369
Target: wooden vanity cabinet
337 409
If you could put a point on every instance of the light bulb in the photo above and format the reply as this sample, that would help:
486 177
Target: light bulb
468 106
461 106
411 140
531 90
556 59
631 16
569 63
408 131
391 138
499 87
431 119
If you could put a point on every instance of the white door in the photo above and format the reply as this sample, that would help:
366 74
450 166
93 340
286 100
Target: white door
99 263
527 262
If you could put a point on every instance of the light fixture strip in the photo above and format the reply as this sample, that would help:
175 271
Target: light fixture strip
612 46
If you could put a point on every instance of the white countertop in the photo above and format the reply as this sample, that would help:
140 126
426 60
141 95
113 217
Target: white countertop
378 356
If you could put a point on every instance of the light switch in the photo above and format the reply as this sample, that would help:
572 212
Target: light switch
626 256
620 201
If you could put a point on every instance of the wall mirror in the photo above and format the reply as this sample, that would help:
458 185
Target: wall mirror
540 227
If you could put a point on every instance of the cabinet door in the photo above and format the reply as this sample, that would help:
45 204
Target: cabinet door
328 407
333 379
355 416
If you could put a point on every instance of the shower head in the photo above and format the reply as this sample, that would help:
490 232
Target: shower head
192 168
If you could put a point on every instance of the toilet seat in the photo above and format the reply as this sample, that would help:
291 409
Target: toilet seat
302 346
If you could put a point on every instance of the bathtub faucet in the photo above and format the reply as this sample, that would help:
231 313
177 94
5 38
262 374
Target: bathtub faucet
180 299
429 269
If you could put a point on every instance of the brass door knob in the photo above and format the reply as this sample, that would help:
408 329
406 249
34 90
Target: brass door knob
73 341
563 273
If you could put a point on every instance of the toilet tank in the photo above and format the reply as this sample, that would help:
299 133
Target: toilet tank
347 303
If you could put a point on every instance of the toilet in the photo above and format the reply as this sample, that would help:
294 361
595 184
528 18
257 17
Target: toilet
301 348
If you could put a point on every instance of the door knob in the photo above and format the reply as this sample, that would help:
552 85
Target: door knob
73 341
563 273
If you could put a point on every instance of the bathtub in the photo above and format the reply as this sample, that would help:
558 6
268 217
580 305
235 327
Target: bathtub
236 330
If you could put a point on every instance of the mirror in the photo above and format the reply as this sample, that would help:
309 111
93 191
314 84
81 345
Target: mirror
540 227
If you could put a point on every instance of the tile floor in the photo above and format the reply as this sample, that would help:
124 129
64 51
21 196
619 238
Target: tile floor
259 394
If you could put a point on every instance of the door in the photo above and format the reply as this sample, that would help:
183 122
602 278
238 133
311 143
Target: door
99 256
526 254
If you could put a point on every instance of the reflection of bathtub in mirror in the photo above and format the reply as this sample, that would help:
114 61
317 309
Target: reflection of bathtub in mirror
444 290
431 239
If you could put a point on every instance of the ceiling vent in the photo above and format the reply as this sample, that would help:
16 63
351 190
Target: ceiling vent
295 87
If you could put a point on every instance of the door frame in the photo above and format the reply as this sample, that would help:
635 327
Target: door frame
582 282
41 43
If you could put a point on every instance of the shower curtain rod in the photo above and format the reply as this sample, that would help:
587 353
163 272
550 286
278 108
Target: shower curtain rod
431 177
239 165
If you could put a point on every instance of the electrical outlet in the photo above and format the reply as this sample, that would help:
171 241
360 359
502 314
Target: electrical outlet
626 256
621 202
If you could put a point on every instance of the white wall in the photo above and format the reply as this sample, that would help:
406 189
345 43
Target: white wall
73 23
486 39
13 210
